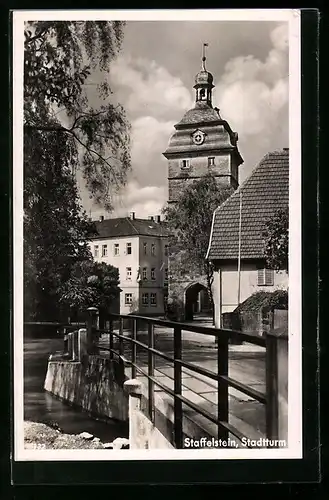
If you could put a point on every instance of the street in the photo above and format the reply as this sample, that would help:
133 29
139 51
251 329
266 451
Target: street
246 365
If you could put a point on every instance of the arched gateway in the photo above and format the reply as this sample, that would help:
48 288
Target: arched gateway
196 299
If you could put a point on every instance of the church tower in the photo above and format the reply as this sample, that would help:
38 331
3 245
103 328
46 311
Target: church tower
202 142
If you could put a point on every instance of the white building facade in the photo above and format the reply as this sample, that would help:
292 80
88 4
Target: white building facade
138 248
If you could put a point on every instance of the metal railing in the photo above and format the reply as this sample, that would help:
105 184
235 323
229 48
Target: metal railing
224 428
61 329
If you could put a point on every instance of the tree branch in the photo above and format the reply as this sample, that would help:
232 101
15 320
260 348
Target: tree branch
60 128
36 37
95 153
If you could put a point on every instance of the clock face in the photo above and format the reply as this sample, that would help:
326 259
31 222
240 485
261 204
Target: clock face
198 137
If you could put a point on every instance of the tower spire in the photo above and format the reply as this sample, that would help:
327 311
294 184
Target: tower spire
204 56
203 82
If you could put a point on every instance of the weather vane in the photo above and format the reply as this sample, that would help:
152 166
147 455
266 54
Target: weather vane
204 56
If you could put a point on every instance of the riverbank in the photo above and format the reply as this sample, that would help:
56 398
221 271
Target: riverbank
39 436
40 406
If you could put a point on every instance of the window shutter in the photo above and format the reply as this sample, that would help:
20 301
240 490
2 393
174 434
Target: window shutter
269 277
261 277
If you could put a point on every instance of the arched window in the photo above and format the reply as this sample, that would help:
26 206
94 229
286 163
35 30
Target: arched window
202 93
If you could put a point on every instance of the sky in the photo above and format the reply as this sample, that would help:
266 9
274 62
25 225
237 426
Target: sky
153 79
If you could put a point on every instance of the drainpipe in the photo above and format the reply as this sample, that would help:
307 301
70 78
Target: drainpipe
239 251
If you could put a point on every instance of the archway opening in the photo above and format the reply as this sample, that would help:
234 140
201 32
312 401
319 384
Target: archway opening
197 301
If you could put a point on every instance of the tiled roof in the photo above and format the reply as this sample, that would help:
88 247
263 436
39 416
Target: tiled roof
201 113
125 226
262 194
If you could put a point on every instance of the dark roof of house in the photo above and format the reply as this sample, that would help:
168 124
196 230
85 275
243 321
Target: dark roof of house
262 194
125 226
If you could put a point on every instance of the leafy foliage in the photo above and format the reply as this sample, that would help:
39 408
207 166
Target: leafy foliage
90 284
276 235
63 133
190 220
55 230
59 58
259 300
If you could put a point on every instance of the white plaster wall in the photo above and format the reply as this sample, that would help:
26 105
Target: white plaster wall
122 261
136 260
226 284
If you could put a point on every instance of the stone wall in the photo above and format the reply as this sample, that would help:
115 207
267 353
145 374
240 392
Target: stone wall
181 275
95 385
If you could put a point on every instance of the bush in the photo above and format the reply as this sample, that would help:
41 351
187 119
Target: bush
259 300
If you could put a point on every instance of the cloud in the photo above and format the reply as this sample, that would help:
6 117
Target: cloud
143 200
150 88
253 97
149 140
252 93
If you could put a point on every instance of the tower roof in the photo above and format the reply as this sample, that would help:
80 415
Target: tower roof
201 113
217 134
204 78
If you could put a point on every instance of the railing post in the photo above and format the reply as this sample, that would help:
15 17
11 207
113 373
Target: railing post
151 371
222 370
134 349
75 346
178 410
92 327
111 336
66 348
277 385
82 344
70 345
137 438
121 345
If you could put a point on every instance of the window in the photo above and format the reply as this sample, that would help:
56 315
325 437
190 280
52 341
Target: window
153 249
145 299
145 248
104 251
96 251
144 273
166 250
166 274
153 273
128 273
265 277
185 164
128 298
211 161
128 247
153 300
116 249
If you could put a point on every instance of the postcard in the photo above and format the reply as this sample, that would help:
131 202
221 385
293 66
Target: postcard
157 235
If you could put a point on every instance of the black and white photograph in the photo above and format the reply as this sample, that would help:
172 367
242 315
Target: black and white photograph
157 235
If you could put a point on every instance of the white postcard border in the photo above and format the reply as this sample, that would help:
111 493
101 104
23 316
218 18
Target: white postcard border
294 449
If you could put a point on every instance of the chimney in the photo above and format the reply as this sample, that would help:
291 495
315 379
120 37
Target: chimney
132 215
158 218
285 149
150 217
101 218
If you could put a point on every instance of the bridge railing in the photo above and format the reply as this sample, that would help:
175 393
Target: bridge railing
69 332
275 344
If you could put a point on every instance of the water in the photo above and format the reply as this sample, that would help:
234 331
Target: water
40 406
